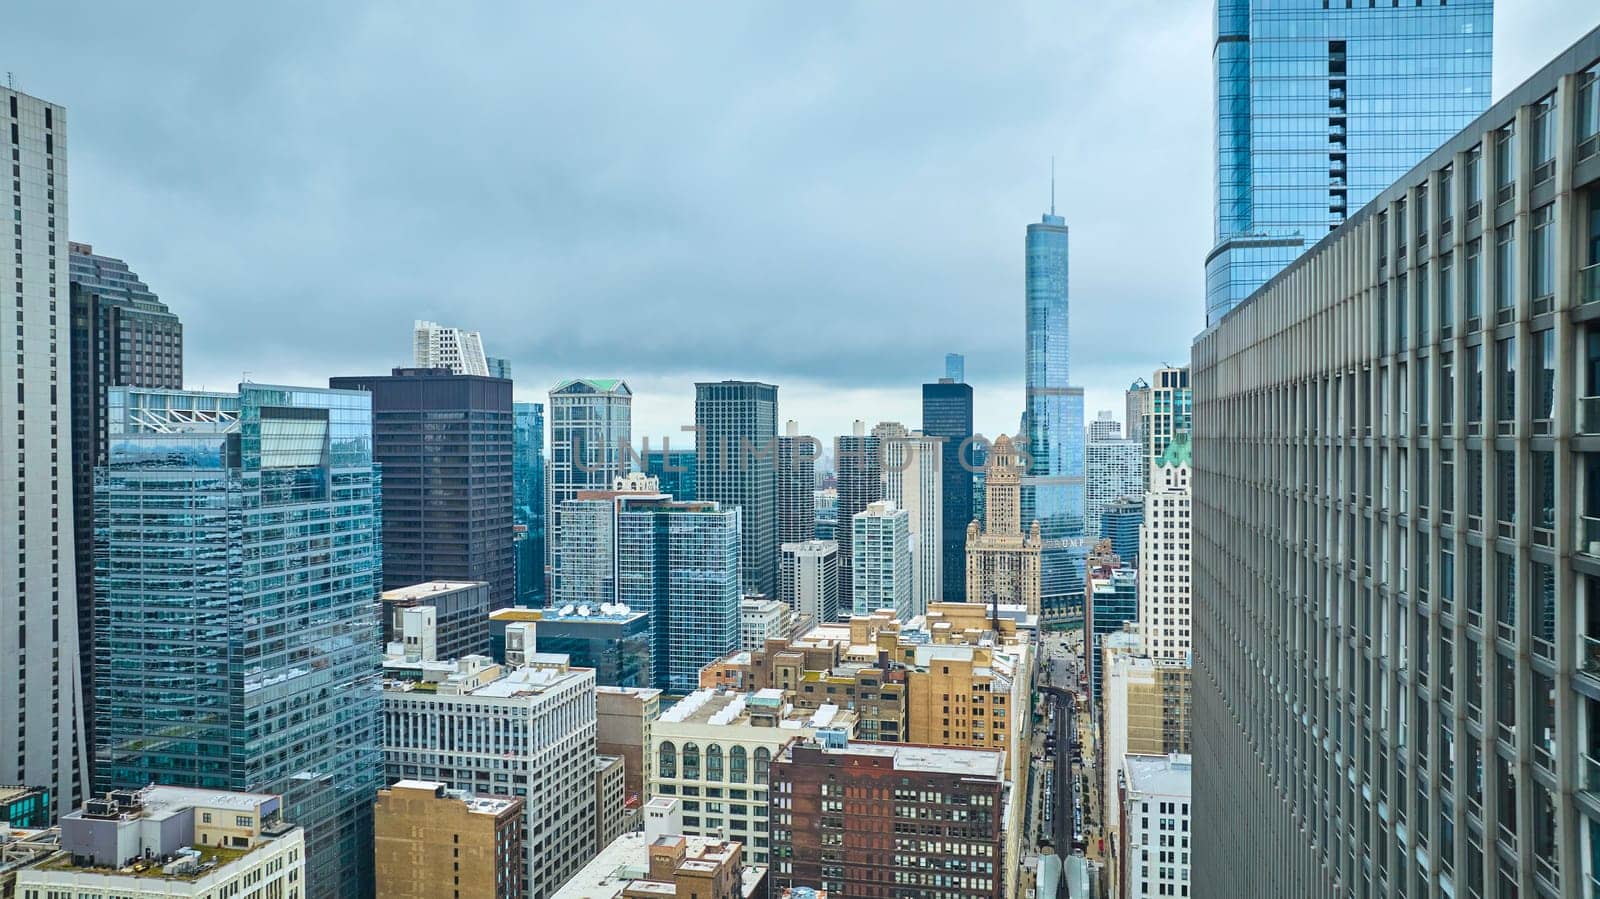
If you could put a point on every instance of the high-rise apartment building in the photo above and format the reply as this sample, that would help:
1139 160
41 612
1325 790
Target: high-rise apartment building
41 686
955 800
237 569
1319 107
1053 488
430 840
1164 556
528 501
458 351
1002 559
122 336
446 445
675 469
1135 398
591 427
808 579
912 480
589 540
880 555
736 441
1114 469
1168 412
1105 427
859 472
1394 531
947 415
955 368
797 485
493 731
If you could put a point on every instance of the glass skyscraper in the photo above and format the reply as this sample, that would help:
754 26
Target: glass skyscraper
947 413
736 438
675 470
237 565
1320 105
1052 490
527 498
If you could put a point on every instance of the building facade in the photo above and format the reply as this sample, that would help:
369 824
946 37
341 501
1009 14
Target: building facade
461 615
1120 523
860 483
1113 468
528 511
430 840
1136 398
762 619
1318 108
591 425
610 799
221 674
880 556
912 480
1112 601
736 443
808 579
458 351
1164 556
445 443
797 485
1156 804
624 719
947 416
1394 477
1002 559
675 470
1169 411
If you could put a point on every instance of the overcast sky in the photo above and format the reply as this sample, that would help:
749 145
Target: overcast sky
822 196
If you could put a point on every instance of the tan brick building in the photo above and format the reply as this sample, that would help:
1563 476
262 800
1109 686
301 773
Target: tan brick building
432 842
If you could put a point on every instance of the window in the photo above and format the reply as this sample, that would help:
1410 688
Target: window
1506 375
738 769
1474 283
1505 267
1474 175
1589 113
1542 142
1544 392
1505 163
667 762
1542 257
1447 294
1474 383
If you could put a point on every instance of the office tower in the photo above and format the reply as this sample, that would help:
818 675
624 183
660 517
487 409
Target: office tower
430 840
461 615
460 352
1168 412
624 719
237 569
41 689
681 561
959 813
762 619
122 336
947 415
523 732
528 500
185 843
808 579
955 368
613 639
675 469
860 483
722 740
1136 398
1145 708
1002 559
736 438
1315 116
797 485
1155 825
880 553
1164 547
446 446
1111 600
589 540
1113 468
590 425
1053 488
1105 427
498 367
912 480
1120 523
1437 544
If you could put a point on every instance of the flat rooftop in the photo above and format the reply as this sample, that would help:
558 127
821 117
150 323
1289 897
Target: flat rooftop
479 805
427 589
1158 775
989 763
641 692
625 863
728 708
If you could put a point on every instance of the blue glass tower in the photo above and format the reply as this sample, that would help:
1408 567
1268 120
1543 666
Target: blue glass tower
1320 105
237 566
1052 490
528 500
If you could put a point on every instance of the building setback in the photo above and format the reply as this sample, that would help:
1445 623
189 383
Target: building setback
947 415
445 443
1395 476
461 615
430 840
736 444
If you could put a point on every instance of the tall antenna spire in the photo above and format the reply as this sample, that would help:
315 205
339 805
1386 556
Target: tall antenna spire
1052 185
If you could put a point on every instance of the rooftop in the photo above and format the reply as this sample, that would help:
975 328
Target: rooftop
729 708
625 864
475 803
1158 775
427 589
986 763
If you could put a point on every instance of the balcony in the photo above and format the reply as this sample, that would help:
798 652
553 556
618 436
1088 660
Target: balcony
1589 284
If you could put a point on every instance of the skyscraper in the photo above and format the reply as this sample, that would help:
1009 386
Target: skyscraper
1002 559
808 579
736 442
499 367
590 425
1164 547
1052 490
797 485
1319 106
1105 427
237 566
1113 467
122 336
675 470
911 479
1119 523
446 445
1137 396
589 540
955 368
860 480
528 498
947 414
436 346
1168 412
880 537
42 742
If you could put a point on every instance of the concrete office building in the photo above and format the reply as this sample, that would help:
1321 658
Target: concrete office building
881 558
860 483
445 443
912 480
591 427
611 807
43 742
528 510
461 613
808 579
797 485
1002 559
526 733
736 444
1156 805
430 840
1145 708
1395 569
947 415
453 349
762 619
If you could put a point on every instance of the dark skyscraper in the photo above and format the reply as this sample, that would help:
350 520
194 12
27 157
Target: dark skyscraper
858 464
122 336
528 511
736 446
947 413
675 470
446 446
797 486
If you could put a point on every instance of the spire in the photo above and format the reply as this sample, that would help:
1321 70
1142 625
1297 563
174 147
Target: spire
1052 185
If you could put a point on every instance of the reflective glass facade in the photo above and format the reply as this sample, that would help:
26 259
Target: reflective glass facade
947 413
1320 105
528 509
237 566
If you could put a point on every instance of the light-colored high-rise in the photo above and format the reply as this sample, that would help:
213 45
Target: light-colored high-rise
859 464
1135 399
42 740
1002 560
1155 825
736 464
912 479
797 486
808 579
591 425
1164 547
1112 469
881 558
438 346
1168 411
